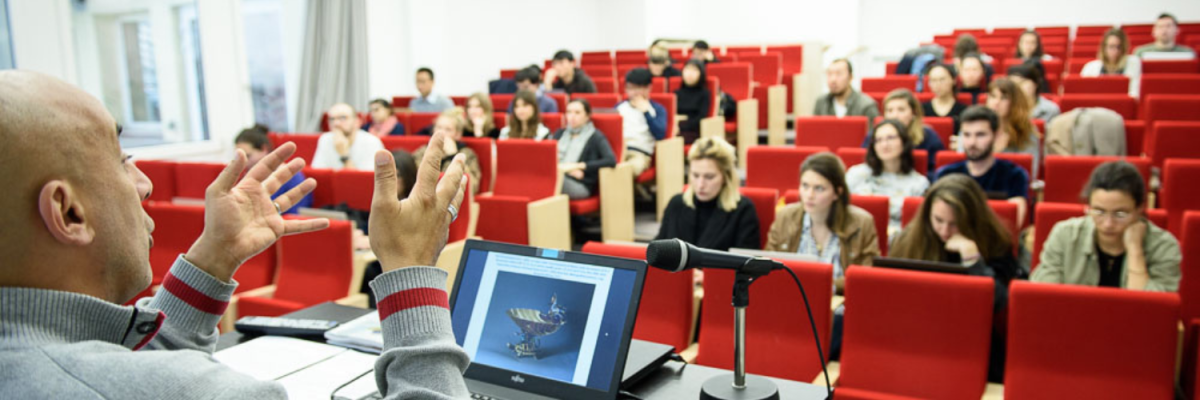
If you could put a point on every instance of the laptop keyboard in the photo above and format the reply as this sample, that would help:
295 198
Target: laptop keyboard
474 396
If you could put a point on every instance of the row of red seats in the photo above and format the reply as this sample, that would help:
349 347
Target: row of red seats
1060 76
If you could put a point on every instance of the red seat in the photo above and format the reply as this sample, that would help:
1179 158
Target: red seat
404 101
604 85
420 121
596 58
776 167
306 144
1121 103
598 100
1174 139
1135 138
177 227
314 267
559 98
484 149
162 174
1189 285
192 178
553 121
504 74
665 313
854 156
768 68
943 126
832 132
1177 194
735 78
1091 30
1055 332
632 59
1048 214
1053 31
669 103
774 325
526 171
965 98
323 194
730 50
460 227
500 102
1054 68
889 83
878 207
500 119
406 143
1075 65
1174 107
354 187
764 200
1170 84
1170 67
599 71
1066 175
611 126
901 330
793 58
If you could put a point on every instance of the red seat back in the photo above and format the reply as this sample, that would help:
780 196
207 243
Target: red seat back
1178 193
406 143
900 329
612 127
774 325
776 167
192 178
596 58
1004 211
1121 103
764 200
1189 284
793 58
420 121
1106 84
177 227
1176 107
1046 215
667 100
605 85
354 187
485 151
1135 138
500 102
878 207
1066 175
1170 84
162 175
665 313
560 98
1174 139
832 132
943 126
600 71
1054 332
768 68
553 121
306 144
889 83
526 169
735 78
323 194
1170 67
404 101
316 266
598 100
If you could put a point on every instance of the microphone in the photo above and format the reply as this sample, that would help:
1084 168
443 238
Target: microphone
677 255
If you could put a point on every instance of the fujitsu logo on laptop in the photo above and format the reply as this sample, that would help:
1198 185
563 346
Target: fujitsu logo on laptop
518 379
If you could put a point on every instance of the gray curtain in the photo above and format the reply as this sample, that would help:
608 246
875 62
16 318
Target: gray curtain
334 67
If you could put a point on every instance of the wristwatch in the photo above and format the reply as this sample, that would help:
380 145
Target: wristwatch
345 159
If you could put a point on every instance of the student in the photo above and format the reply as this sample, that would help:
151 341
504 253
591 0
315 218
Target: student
450 125
1029 77
711 213
693 100
1114 245
1017 133
1029 47
974 76
524 118
383 121
644 120
824 223
888 170
76 243
703 53
842 100
1000 179
530 79
1166 29
345 145
1113 59
481 122
564 76
582 152
659 63
427 101
901 105
254 142
943 83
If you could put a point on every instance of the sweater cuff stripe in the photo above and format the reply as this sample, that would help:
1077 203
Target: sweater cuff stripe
193 297
412 298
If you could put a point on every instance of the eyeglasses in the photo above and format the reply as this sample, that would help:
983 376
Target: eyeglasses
1119 216
339 118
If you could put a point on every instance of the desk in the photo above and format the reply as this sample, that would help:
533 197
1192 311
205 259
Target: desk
674 380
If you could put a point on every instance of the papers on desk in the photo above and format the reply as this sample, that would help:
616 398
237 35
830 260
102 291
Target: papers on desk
363 333
307 370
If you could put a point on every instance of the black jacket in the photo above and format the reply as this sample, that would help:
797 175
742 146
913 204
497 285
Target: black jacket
723 231
597 153
694 102
581 83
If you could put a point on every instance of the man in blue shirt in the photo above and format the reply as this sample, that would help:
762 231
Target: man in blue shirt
428 101
530 78
643 120
254 142
999 178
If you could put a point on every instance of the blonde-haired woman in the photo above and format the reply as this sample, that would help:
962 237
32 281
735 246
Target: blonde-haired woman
1113 59
480 120
1017 133
711 213
450 124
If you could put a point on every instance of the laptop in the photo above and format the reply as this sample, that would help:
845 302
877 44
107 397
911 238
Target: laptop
543 323
921 265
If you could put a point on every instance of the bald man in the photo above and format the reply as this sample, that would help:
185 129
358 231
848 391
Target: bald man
75 246
346 145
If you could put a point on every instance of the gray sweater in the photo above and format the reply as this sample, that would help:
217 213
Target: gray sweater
62 345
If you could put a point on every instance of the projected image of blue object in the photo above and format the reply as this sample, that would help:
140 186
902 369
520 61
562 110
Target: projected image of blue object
535 325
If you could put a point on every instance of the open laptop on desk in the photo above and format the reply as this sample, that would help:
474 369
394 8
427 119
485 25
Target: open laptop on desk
543 323
920 265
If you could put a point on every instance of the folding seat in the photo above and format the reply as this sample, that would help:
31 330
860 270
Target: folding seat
832 132
1091 30
1174 139
878 207
553 121
890 68
1171 67
595 58
1054 68
406 143
1170 84
420 121
177 228
904 338
765 200
776 322
314 267
977 32
500 102
605 85
1171 107
943 126
1178 194
632 59
1135 138
1047 214
1120 103
323 194
965 98
793 58
485 151
404 101
768 68
526 206
853 156
777 167
1066 175
1054 332
600 71
192 178
1189 286
888 83
1107 84
560 98
1138 29
631 53
730 50
162 175
504 74
1075 64
665 314
1053 30
306 144
354 187
614 197
598 100
1058 51
736 79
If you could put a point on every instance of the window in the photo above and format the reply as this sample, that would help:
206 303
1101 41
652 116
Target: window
6 54
263 21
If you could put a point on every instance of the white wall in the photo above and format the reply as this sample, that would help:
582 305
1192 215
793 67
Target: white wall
42 37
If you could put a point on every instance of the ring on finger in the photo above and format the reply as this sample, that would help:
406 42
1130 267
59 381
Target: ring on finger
453 212
277 209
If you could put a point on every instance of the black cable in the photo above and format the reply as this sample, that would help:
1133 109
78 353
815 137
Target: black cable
679 358
333 394
816 336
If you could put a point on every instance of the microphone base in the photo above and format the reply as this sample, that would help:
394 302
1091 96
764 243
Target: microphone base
720 387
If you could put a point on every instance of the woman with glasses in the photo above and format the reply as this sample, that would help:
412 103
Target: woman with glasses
888 170
1114 245
1113 58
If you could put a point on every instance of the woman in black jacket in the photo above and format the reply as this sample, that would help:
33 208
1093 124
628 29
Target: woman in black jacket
582 151
693 100
711 213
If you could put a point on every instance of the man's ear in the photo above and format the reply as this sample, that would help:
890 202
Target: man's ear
63 214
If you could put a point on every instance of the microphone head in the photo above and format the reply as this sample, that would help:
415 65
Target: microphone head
668 254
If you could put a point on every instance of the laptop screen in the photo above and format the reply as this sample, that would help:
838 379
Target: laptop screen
544 315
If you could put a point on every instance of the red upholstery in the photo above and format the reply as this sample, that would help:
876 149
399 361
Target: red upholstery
406 143
596 58
901 330
525 172
599 100
793 58
599 71
888 83
500 119
176 228
323 194
667 100
504 74
404 101
500 102
1178 192
1135 138
604 85
1075 64
258 271
1170 84
1048 214
764 200
846 393
878 207
1174 139
1170 67
832 132
1053 31
965 98
560 99
553 121
735 78
1189 285
1066 175
1107 84
760 94
1055 332
632 59
420 121
943 126
314 267
776 167
1093 30
354 187
665 312
162 176
485 151
1121 103
193 178
1163 107
776 324
768 68
460 227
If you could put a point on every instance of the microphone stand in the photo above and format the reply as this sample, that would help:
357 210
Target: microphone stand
739 386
